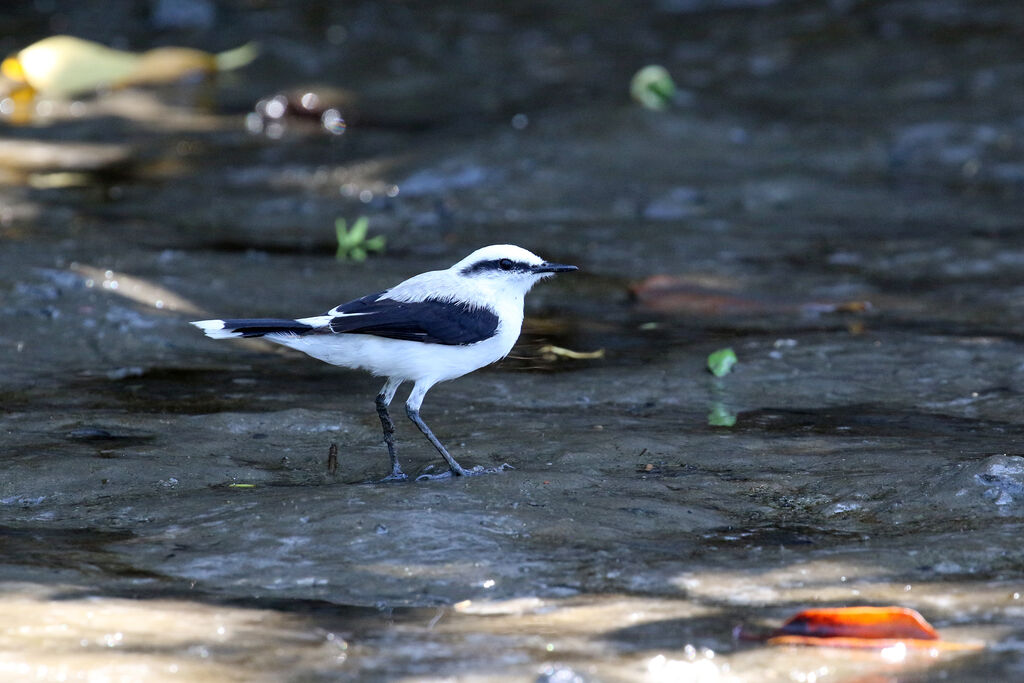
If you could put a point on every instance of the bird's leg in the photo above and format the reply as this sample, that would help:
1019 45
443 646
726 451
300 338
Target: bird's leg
412 409
388 425
456 468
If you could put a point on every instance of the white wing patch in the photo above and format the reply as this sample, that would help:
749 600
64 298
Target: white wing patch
317 320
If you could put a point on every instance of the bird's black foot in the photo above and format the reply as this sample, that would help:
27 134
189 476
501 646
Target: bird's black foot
463 472
397 475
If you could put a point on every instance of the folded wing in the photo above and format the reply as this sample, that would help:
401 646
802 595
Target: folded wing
432 321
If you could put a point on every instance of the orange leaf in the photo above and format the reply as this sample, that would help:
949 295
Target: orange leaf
863 627
859 622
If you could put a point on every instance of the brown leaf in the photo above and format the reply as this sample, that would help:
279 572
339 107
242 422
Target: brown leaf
687 295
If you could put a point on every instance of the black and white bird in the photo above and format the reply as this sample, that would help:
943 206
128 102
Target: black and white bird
433 327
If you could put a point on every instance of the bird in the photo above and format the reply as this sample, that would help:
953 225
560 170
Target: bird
433 327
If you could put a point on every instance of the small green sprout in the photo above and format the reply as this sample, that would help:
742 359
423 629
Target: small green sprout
721 361
653 87
352 242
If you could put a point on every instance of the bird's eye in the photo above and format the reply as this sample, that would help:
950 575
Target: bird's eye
505 264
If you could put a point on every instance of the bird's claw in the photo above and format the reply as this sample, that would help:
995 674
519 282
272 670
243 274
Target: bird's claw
471 472
426 476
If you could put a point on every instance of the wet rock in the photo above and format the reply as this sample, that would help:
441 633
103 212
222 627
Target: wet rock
453 175
124 373
90 434
183 14
679 202
1003 479
41 156
773 194
968 152
556 673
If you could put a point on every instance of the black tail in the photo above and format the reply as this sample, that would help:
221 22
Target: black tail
257 327
251 327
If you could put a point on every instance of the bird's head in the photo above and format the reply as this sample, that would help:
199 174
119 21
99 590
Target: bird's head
507 266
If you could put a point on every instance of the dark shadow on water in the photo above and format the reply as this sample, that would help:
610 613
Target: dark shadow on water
713 632
106 439
244 387
779 536
82 550
867 420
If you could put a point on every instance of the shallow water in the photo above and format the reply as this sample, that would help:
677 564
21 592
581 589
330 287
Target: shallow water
835 194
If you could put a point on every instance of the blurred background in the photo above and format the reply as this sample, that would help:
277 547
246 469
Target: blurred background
831 188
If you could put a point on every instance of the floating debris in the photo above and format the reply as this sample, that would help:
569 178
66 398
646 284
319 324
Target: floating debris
550 352
332 459
63 66
305 110
653 87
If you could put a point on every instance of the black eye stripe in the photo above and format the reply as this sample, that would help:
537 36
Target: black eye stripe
505 265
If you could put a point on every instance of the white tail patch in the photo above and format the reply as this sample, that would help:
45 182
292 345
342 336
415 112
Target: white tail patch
215 329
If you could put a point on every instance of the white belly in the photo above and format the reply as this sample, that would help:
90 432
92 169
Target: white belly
400 359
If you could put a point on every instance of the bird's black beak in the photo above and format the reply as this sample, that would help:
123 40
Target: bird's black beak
553 268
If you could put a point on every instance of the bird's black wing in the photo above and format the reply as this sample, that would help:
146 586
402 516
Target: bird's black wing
432 321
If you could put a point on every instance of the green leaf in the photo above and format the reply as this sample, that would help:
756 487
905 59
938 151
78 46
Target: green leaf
353 244
358 231
721 361
341 233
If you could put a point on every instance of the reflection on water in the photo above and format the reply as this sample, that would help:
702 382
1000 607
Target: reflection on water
48 635
156 625
58 633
